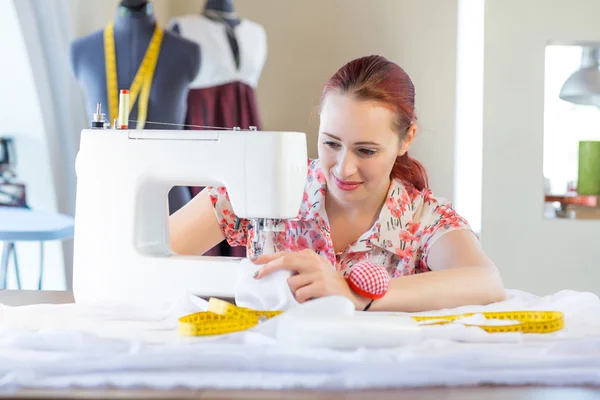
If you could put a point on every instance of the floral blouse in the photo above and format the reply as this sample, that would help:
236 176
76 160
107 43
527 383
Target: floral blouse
409 223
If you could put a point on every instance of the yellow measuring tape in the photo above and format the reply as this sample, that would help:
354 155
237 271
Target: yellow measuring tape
530 321
223 317
143 78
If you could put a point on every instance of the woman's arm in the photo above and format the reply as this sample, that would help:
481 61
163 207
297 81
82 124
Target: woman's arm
194 229
461 274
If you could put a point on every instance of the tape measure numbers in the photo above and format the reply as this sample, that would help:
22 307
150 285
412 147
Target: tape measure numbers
530 321
223 317
142 82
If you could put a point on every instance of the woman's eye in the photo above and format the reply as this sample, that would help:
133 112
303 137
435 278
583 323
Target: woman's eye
333 145
367 152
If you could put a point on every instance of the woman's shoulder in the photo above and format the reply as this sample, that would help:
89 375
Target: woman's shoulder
412 220
423 205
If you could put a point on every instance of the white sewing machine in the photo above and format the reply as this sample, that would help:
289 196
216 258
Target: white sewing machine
122 252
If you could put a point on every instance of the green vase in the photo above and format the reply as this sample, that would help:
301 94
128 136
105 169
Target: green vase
588 182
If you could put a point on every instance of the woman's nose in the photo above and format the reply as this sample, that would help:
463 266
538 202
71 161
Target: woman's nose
346 166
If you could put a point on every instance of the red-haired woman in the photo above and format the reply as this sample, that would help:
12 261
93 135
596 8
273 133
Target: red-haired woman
369 228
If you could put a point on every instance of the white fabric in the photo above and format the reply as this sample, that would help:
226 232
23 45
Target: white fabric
269 293
217 61
62 346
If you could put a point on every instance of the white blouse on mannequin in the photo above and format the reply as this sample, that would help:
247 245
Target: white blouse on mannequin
217 60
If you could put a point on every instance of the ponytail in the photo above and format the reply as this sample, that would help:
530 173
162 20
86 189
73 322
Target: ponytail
410 171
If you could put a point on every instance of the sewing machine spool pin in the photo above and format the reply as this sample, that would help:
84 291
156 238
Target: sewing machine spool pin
98 120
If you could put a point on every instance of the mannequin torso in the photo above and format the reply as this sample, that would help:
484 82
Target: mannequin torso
177 66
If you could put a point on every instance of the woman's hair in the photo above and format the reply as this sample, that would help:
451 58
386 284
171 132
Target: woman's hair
376 78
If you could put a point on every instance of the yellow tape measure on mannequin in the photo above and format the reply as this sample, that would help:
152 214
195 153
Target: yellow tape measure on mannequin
223 317
142 81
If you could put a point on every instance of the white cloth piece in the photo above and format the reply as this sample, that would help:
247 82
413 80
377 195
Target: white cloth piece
62 346
268 293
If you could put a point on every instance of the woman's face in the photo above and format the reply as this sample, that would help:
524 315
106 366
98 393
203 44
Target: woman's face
357 147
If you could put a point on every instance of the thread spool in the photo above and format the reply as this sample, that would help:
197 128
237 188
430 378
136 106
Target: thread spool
124 109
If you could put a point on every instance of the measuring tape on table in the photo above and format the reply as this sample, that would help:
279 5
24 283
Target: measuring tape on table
223 317
529 321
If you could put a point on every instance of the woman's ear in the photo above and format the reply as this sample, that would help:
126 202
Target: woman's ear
408 139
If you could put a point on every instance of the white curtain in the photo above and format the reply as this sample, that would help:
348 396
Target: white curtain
47 37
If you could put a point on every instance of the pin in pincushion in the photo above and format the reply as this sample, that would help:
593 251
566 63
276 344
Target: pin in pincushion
368 280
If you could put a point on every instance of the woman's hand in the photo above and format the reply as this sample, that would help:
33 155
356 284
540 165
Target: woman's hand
314 275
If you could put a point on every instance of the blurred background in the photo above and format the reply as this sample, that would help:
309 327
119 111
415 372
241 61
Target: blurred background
507 95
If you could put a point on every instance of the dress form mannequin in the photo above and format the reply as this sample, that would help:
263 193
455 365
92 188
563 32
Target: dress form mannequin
177 66
225 9
222 11
234 51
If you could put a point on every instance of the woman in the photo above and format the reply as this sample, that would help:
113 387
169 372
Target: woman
365 200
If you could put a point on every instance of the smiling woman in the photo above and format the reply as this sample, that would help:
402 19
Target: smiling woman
368 228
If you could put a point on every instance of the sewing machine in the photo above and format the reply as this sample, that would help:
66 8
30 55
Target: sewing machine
122 252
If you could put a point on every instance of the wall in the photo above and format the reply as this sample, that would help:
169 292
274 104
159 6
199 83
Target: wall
534 254
469 111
